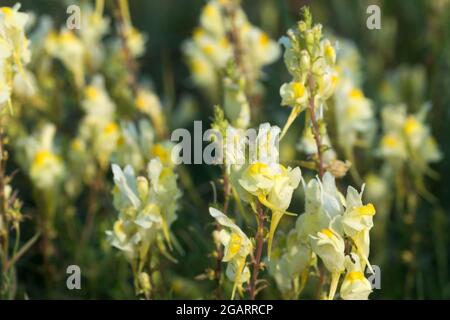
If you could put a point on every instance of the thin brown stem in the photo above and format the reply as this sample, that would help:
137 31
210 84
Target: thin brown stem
94 193
219 249
4 241
234 38
130 62
320 164
410 221
226 191
259 239
315 127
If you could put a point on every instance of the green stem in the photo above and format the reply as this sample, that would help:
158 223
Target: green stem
259 238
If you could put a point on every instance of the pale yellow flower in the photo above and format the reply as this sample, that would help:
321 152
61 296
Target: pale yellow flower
294 94
237 247
329 246
355 285
68 47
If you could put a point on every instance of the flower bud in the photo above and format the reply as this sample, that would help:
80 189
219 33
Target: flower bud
329 52
142 186
302 26
309 37
216 237
317 32
305 61
144 282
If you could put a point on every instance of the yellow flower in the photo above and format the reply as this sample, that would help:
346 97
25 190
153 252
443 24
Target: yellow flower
149 103
329 52
46 168
91 92
209 50
412 126
293 94
211 18
355 285
67 47
163 152
329 246
12 33
357 221
135 41
111 128
236 106
147 207
261 49
393 146
237 247
415 131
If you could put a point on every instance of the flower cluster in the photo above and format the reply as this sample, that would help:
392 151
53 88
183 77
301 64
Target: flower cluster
235 102
98 129
211 47
407 138
89 133
67 47
335 229
259 178
14 49
148 103
39 158
135 145
310 60
237 247
272 185
352 109
147 208
80 50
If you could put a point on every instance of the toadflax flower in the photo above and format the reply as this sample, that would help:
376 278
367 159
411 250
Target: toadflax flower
94 26
357 221
210 49
14 50
69 49
237 247
147 208
289 262
236 106
355 286
12 35
310 59
407 139
98 127
272 185
331 226
353 112
44 166
293 94
330 246
148 102
135 144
